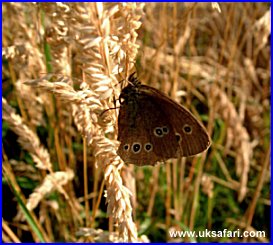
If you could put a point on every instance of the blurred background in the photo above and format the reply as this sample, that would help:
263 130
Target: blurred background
62 64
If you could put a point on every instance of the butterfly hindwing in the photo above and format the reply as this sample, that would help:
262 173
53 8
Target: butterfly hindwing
145 133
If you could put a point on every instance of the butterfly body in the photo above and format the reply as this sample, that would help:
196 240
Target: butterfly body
152 127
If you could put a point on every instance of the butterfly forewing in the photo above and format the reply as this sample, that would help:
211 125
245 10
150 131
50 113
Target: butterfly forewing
191 135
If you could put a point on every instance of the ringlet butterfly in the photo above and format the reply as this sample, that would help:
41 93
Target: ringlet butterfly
152 127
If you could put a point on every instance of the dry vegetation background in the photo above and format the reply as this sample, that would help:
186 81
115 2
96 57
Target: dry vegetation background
62 64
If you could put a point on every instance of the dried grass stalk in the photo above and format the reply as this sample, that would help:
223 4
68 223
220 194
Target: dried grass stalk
30 142
27 138
52 182
104 45
242 145
34 105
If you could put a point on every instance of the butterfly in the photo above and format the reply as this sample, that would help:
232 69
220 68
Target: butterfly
152 127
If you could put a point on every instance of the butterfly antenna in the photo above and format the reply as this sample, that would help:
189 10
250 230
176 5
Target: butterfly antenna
133 79
108 110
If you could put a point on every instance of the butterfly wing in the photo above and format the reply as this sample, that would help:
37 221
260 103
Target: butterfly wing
145 133
191 135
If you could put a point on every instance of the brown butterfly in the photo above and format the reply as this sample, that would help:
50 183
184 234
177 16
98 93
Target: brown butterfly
152 127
